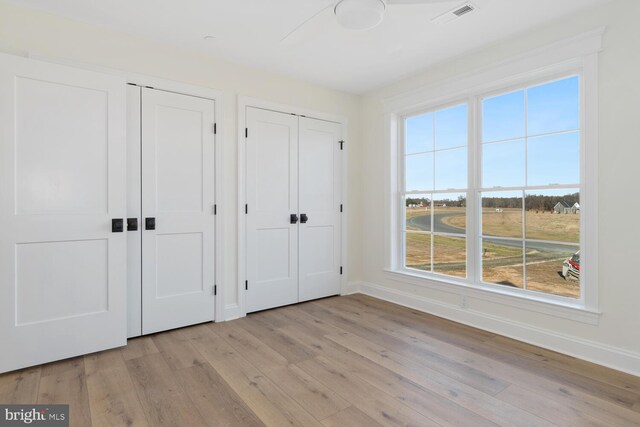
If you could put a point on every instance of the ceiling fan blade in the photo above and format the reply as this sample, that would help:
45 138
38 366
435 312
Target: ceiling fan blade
417 1
296 34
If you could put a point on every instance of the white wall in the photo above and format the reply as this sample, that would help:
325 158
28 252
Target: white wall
616 339
25 31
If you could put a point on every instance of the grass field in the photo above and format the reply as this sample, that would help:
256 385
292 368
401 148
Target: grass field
449 254
540 225
502 264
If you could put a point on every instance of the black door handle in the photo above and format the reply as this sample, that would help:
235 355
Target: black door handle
303 218
293 219
132 224
117 225
150 223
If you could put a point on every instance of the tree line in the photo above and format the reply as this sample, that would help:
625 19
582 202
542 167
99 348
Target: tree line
460 202
532 201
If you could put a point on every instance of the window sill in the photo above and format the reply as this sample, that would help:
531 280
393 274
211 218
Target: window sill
538 304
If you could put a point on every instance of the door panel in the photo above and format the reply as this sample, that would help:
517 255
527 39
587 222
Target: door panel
178 191
179 158
60 279
68 174
272 248
272 196
62 171
179 264
320 198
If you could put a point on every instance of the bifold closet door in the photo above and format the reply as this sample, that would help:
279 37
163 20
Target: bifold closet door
62 210
320 205
178 223
272 209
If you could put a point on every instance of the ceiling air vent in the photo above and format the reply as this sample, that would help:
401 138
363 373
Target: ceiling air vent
463 10
455 13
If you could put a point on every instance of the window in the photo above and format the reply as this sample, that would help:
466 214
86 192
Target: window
435 193
530 191
497 205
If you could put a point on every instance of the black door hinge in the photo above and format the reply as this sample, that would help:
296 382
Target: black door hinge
246 285
246 132
215 290
340 207
246 209
341 270
215 128
341 142
215 209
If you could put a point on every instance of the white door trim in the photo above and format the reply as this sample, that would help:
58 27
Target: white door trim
239 309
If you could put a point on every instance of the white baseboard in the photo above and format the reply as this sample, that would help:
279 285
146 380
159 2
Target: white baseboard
351 288
233 311
602 354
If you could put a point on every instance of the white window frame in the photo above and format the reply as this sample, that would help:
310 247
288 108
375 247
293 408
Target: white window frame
575 56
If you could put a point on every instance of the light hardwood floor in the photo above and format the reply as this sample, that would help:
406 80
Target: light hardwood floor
343 361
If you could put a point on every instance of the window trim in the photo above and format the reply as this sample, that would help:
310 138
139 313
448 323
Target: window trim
574 56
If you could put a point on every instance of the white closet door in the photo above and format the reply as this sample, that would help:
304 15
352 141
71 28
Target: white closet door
178 194
272 197
320 198
62 181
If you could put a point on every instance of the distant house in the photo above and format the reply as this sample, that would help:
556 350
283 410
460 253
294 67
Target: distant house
562 208
575 209
417 205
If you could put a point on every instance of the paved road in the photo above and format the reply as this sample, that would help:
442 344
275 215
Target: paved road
423 223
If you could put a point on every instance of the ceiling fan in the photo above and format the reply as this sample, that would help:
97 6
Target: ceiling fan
356 14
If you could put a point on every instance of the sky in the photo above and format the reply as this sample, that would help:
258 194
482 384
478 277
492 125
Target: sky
530 137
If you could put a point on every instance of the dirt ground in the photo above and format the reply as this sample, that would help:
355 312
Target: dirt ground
541 276
545 277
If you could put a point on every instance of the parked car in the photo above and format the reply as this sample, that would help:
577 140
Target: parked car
571 267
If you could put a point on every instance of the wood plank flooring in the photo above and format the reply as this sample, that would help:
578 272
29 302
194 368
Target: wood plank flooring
343 361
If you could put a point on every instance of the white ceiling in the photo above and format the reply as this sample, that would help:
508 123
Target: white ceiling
249 32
